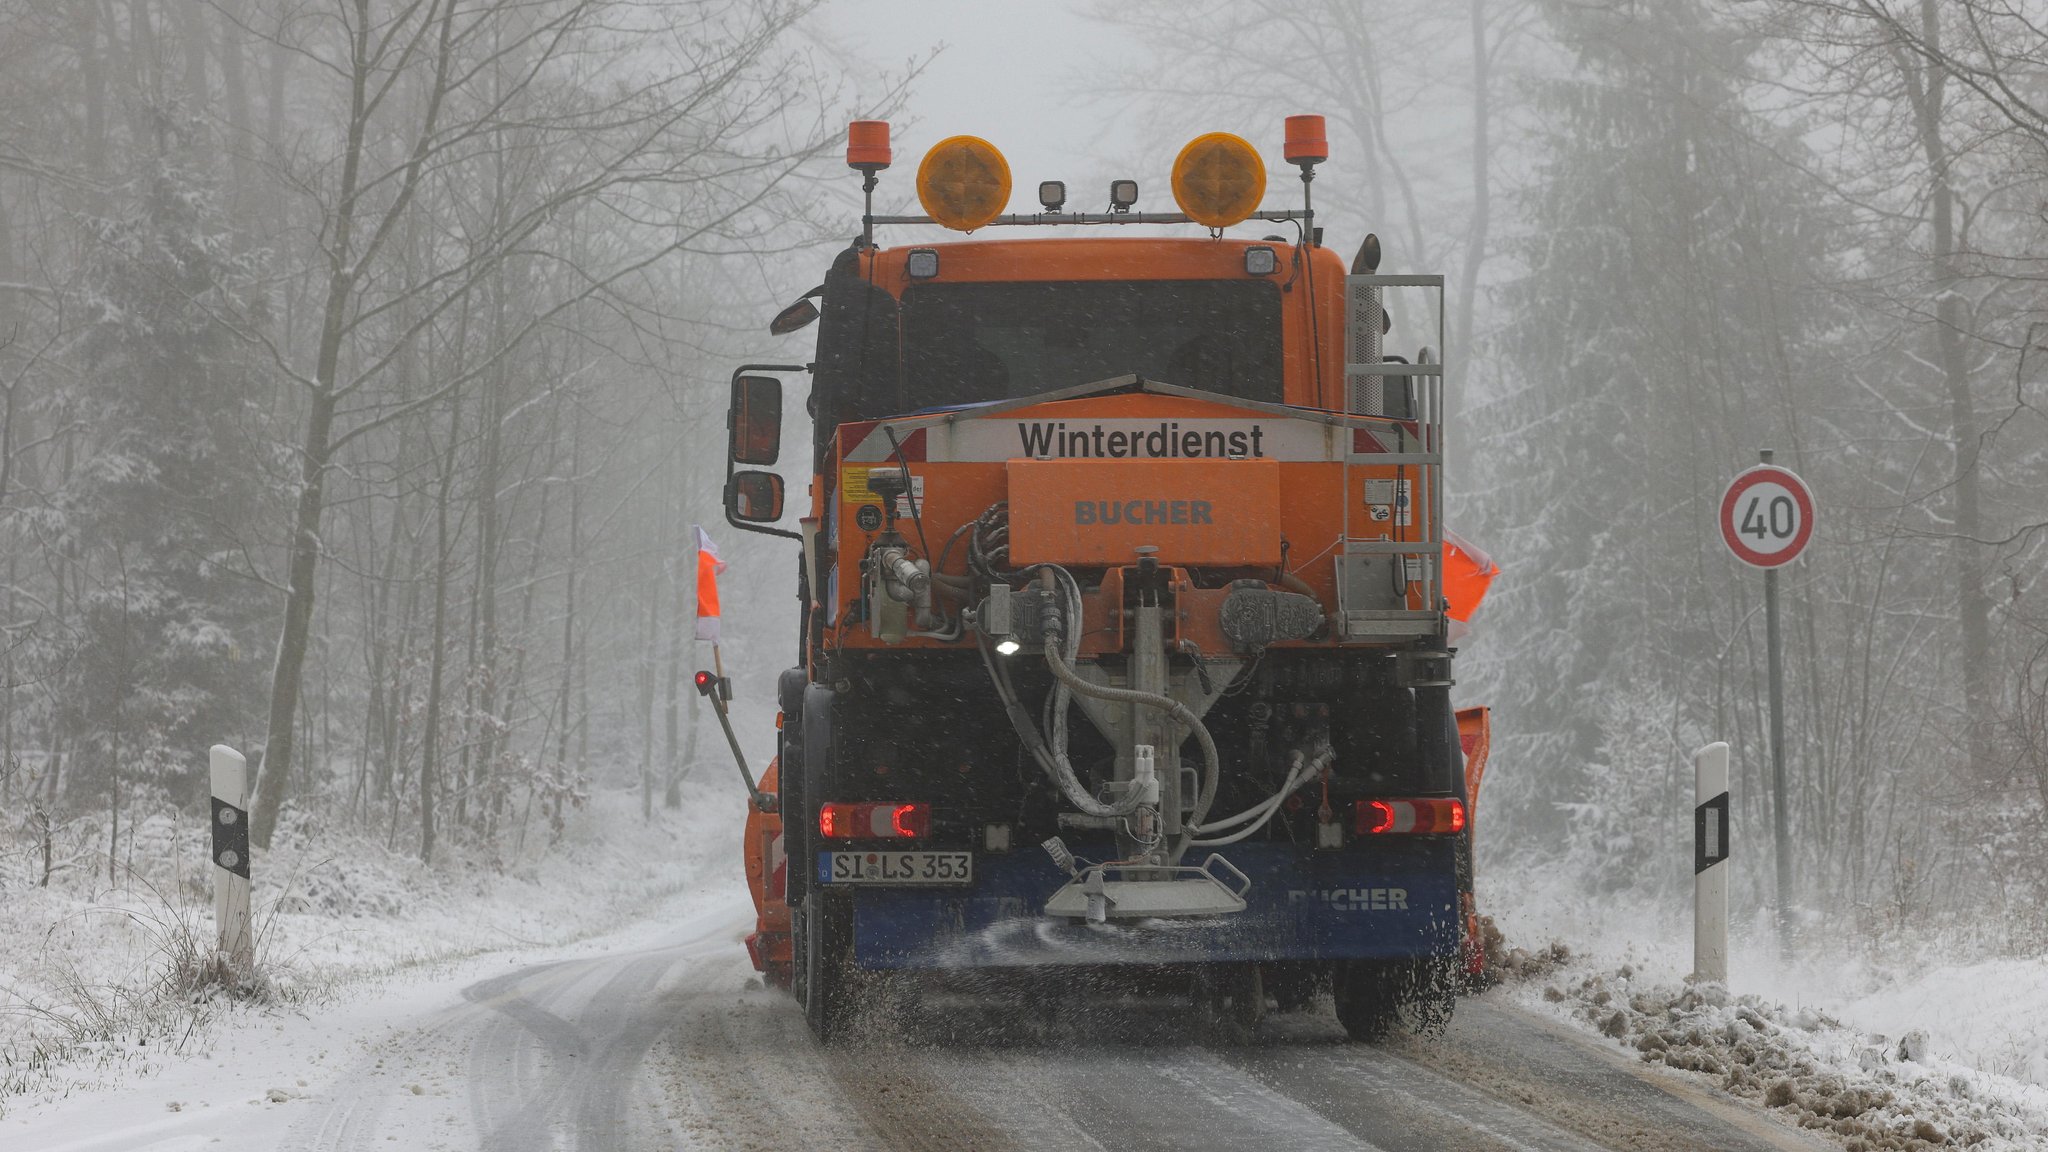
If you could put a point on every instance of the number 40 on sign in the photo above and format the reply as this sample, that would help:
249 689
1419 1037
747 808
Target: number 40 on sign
1766 516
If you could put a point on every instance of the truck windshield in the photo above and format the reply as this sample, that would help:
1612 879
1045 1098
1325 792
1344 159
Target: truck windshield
971 343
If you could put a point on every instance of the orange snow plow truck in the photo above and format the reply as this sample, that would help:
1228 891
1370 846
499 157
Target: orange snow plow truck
1125 607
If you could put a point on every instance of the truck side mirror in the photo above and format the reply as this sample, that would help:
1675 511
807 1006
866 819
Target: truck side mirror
755 420
754 497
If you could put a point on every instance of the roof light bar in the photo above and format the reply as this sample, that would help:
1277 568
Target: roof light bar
964 183
1019 219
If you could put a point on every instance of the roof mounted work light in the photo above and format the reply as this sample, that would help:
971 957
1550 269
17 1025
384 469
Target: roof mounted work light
867 145
963 183
1122 194
1052 195
1307 144
1218 179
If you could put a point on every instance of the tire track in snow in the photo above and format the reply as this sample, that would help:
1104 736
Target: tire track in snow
744 1073
1400 1105
570 1076
547 1056
678 1046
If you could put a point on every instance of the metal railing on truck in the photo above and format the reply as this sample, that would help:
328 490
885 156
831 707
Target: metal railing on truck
1376 566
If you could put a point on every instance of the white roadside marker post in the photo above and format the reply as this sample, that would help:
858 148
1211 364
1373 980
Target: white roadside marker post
231 857
1710 863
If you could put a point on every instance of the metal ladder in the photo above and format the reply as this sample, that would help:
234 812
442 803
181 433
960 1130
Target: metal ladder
1377 566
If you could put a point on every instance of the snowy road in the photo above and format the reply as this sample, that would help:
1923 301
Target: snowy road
667 1046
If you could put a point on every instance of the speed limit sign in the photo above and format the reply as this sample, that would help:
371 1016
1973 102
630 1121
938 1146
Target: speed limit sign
1766 516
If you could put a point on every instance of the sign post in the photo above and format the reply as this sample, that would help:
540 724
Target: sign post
231 857
1710 863
1766 521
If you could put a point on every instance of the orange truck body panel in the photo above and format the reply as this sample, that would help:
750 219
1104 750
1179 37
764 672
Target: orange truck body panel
1290 498
1475 738
767 873
1208 512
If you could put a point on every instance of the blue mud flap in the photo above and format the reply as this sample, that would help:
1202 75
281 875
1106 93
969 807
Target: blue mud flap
1378 901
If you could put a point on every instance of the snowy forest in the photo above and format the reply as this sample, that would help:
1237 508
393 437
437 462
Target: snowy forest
363 362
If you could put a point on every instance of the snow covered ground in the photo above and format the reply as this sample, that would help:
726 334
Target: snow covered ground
366 948
344 922
1871 1090
262 1073
1868 1043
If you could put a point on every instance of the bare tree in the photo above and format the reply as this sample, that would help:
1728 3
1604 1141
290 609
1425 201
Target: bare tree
1943 170
419 90
1369 69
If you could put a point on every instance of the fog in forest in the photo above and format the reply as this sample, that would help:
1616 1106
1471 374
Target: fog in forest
363 371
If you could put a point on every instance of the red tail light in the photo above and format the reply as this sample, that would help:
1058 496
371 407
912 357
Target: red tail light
886 821
911 820
1425 816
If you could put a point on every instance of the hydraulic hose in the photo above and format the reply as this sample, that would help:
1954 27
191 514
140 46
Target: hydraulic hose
1295 777
1212 769
1258 814
1052 759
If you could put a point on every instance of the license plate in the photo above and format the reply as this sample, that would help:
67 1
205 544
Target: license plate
895 867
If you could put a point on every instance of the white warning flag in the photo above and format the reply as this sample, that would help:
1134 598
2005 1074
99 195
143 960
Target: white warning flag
708 568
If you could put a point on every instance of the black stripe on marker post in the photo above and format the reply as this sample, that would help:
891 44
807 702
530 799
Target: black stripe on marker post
1709 833
231 837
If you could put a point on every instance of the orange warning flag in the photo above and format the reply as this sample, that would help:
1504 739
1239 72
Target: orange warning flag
1467 572
708 568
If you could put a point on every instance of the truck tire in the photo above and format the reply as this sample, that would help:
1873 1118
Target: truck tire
1376 996
807 744
827 979
798 978
1368 995
1232 1001
1431 996
1291 984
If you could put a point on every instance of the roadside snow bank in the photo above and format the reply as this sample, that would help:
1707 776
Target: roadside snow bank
1991 1014
1870 1091
1979 996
